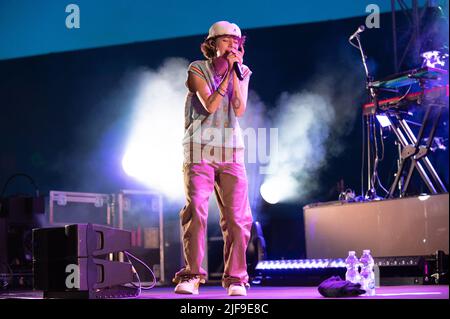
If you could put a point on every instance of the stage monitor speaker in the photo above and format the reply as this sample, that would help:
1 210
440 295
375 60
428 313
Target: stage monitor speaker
76 261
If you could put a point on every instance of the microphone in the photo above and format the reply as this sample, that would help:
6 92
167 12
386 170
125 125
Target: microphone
361 28
237 69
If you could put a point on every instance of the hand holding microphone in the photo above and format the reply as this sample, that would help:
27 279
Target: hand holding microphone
235 59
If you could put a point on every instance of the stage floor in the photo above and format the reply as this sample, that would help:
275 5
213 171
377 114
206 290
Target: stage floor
271 292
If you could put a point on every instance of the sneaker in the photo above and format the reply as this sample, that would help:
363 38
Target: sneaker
237 290
188 285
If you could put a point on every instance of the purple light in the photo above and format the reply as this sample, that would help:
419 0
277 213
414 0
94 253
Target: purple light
301 264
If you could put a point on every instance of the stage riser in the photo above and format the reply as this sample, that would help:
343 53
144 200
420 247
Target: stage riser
397 227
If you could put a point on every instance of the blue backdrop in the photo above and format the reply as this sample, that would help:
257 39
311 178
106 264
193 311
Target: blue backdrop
30 27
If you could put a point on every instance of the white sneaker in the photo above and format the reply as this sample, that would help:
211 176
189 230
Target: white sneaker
188 285
237 290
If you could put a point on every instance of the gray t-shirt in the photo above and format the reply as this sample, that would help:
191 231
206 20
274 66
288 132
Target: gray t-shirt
220 128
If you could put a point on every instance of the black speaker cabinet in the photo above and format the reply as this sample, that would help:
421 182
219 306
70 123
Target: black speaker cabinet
76 261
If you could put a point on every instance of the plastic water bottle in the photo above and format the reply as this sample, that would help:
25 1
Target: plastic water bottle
367 273
352 264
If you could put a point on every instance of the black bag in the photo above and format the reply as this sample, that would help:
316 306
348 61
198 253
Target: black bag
336 287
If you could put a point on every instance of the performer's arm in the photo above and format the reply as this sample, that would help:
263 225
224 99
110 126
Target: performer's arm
210 100
239 97
240 88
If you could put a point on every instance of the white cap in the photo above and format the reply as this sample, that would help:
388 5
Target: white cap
224 28
351 252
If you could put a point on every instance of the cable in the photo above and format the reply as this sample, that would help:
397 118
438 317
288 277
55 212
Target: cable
20 174
362 155
385 108
140 287
375 176
382 144
382 158
404 95
381 185
376 160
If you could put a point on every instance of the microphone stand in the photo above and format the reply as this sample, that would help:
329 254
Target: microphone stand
370 122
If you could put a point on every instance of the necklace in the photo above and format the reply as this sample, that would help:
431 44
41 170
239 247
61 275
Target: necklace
217 75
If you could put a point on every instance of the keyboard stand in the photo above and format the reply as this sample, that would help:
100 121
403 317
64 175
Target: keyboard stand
415 154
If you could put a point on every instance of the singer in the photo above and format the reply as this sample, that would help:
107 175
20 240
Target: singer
214 159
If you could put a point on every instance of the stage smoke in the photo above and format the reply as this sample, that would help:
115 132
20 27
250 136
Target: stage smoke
312 124
255 118
304 121
154 153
